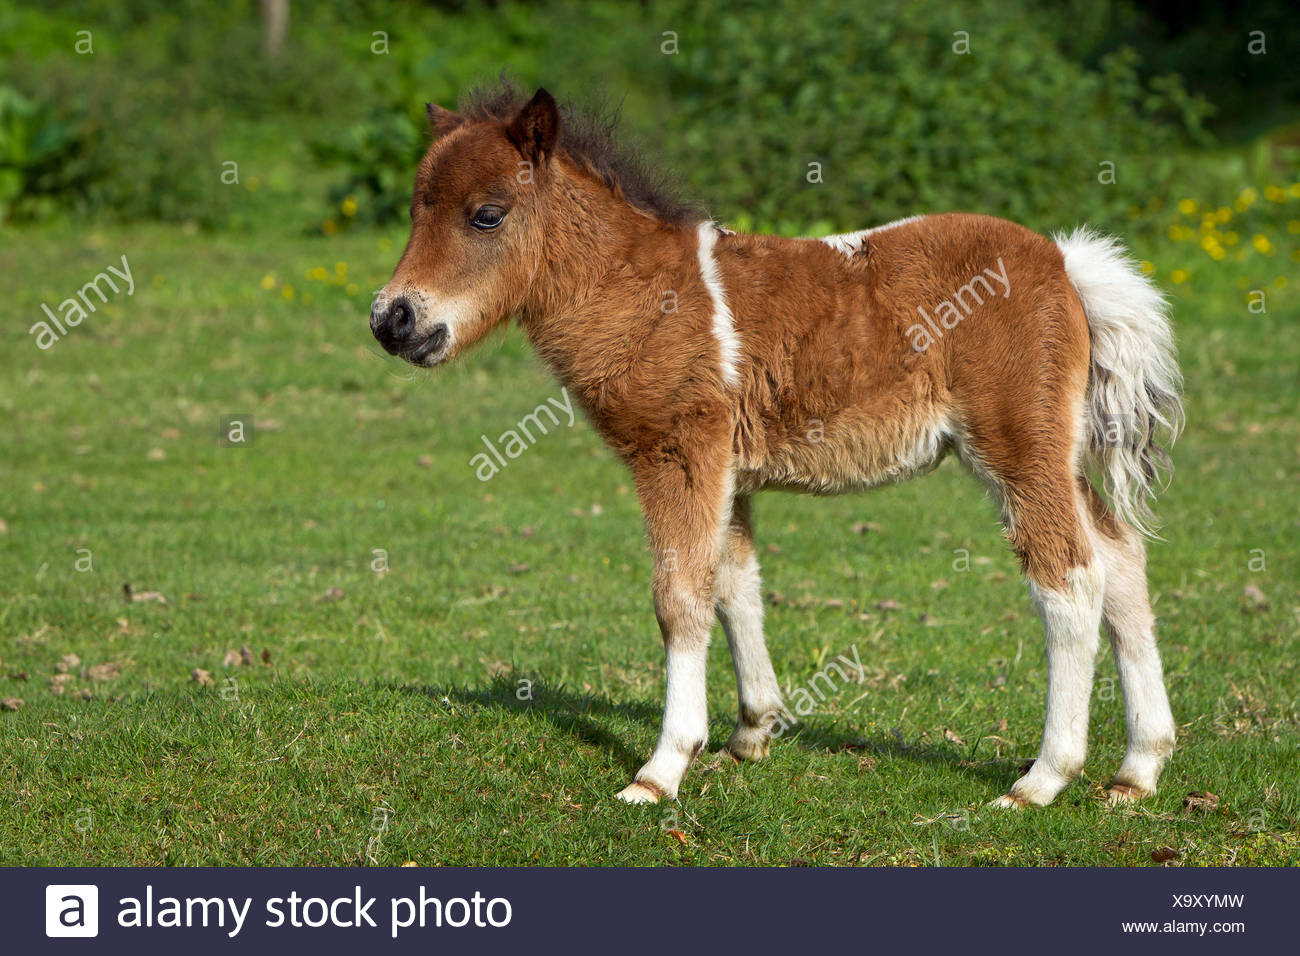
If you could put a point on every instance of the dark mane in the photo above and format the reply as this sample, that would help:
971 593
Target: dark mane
589 135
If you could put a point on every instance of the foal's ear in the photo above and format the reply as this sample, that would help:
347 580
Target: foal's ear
536 128
442 120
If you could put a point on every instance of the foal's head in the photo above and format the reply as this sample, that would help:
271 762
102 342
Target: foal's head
478 216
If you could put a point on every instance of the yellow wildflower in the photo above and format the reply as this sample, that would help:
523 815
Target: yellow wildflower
1179 276
268 281
1187 206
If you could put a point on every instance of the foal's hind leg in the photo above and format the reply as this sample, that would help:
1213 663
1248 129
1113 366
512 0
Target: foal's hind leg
1066 581
739 599
1130 624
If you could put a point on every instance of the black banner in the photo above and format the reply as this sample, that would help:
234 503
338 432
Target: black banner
631 911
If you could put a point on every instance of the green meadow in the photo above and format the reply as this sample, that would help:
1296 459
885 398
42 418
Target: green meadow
446 670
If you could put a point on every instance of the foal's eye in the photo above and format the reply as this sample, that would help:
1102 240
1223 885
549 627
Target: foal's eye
487 217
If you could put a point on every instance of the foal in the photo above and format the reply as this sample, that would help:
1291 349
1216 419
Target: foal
716 364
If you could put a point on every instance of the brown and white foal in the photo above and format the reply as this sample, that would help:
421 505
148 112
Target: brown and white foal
717 364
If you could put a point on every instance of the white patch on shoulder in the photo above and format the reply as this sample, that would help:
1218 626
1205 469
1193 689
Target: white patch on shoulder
723 326
850 242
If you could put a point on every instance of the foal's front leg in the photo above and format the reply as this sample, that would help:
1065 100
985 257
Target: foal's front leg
684 516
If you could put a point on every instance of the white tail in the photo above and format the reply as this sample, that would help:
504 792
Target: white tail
1133 389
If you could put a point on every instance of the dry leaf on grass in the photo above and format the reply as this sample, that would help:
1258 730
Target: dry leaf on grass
240 658
102 672
204 678
1164 854
1204 801
950 735
678 835
68 662
1254 598
139 597
335 593
58 681
11 703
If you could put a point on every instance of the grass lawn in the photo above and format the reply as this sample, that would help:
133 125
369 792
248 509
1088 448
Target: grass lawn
457 672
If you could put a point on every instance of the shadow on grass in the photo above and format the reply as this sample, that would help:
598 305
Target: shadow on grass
580 715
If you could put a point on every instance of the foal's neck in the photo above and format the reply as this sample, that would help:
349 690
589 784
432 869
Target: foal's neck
605 272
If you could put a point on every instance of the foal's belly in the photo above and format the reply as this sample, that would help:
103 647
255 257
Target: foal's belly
850 452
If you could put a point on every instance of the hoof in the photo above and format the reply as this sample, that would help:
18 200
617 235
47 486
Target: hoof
638 791
1119 793
749 745
1009 801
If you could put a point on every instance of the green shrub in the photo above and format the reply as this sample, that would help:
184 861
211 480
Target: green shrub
803 115
901 121
43 157
148 149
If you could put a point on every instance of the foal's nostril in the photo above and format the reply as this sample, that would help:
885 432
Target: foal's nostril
402 319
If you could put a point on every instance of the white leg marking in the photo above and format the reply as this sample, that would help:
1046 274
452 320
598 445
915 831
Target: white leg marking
1071 618
1130 625
685 728
740 609
723 324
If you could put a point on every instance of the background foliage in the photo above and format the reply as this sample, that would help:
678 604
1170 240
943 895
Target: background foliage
738 97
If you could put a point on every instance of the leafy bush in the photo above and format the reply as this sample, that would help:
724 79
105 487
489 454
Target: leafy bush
145 149
787 115
901 120
43 157
149 109
799 115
